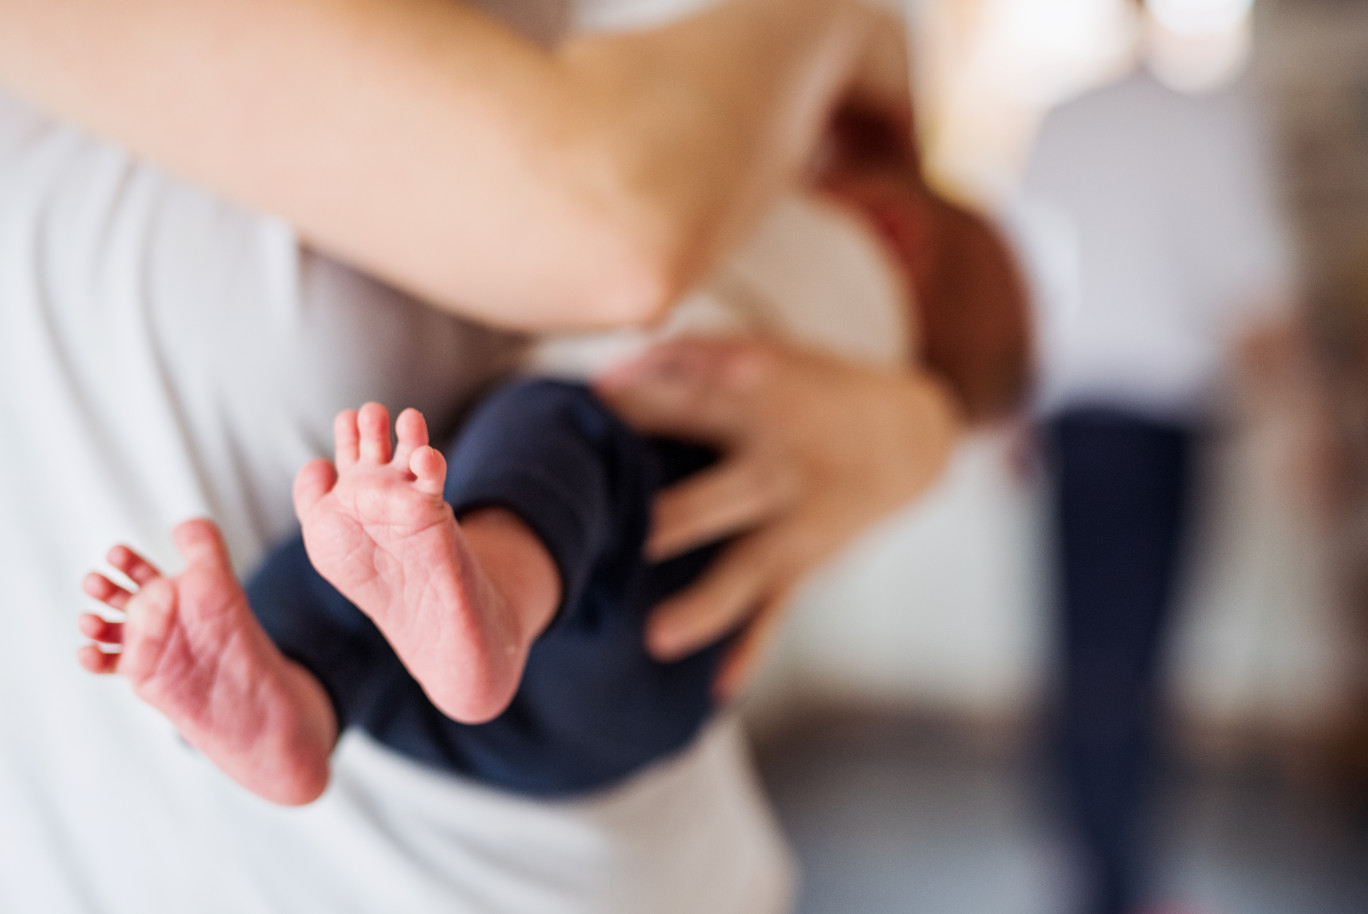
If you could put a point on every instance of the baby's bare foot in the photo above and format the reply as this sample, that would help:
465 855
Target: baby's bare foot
193 650
376 527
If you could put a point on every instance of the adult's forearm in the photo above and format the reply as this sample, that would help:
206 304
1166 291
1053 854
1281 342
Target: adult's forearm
428 144
712 117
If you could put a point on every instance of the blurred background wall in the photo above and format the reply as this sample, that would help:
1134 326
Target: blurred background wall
945 610
907 722
1318 53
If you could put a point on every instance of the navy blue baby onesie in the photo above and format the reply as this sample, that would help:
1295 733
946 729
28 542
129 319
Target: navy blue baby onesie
593 706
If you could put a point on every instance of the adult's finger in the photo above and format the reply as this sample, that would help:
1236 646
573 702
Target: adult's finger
742 491
687 407
731 359
714 605
686 388
751 646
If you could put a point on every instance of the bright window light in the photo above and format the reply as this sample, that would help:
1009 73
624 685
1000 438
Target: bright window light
1188 17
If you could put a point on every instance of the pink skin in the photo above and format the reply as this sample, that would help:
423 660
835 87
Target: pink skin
192 649
460 604
376 526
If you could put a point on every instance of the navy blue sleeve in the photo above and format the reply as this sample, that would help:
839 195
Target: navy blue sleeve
552 454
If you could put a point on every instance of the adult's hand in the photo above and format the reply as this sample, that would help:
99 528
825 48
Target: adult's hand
815 450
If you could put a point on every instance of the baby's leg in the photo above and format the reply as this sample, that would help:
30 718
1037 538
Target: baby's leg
460 607
193 650
592 706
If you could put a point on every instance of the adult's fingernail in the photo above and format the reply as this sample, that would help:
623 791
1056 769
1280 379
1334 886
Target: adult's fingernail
665 640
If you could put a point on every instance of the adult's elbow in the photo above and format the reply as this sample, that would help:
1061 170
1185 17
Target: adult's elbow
574 276
609 273
635 283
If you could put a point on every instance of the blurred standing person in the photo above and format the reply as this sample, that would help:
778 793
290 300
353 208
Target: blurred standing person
1166 243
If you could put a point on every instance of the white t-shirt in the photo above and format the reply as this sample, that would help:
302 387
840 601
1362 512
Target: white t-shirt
164 354
1156 235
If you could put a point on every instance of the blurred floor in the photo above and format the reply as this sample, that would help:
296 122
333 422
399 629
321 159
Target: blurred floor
900 815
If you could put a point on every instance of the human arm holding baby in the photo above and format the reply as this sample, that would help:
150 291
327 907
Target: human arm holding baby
817 449
431 146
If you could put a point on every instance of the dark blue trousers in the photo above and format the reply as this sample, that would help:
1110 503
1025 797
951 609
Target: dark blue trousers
593 707
1121 500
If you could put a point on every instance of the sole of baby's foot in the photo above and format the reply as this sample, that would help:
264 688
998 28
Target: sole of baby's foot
376 527
191 648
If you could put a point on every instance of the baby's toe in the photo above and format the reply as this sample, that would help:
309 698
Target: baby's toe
101 588
373 423
429 466
150 615
101 630
346 439
94 660
138 569
411 430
